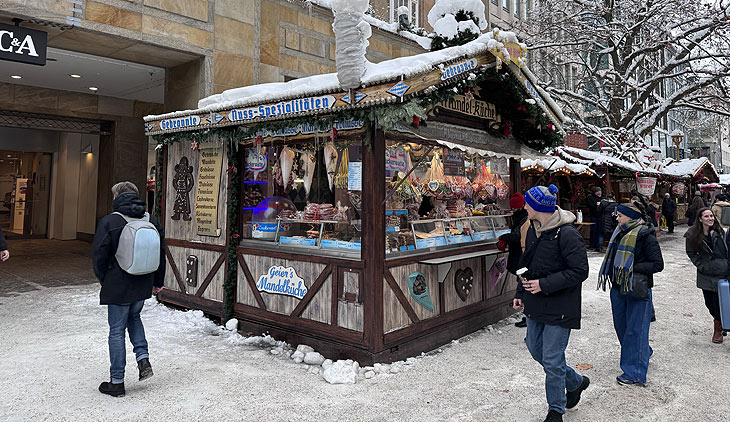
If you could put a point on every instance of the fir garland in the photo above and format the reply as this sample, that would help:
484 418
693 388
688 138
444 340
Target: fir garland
159 177
231 280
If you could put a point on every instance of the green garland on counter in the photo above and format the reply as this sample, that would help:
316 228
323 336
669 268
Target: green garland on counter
231 280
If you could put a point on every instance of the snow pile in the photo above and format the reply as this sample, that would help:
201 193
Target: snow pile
341 372
442 17
351 40
232 324
686 168
596 159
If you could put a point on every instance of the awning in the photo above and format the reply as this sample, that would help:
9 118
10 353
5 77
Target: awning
469 140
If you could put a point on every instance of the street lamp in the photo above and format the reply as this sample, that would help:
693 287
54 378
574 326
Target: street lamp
677 137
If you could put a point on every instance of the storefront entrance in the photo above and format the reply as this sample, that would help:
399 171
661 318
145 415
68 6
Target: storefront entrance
24 185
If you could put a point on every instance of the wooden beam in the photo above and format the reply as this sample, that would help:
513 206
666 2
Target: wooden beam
175 271
335 295
251 282
313 290
294 255
401 297
183 300
412 259
373 237
213 271
179 243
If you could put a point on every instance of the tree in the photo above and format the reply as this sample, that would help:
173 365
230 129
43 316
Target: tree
618 67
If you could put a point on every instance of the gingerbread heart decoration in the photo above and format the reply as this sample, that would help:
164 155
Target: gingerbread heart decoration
463 282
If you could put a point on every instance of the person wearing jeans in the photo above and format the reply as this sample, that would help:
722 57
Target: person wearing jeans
550 293
125 317
123 293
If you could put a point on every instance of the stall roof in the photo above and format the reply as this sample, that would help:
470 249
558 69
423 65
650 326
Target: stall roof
724 179
691 167
241 106
555 164
594 159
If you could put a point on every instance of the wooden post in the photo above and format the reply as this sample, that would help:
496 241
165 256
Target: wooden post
609 189
373 238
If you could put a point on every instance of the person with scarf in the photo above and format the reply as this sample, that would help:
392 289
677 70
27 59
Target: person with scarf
633 250
706 248
557 264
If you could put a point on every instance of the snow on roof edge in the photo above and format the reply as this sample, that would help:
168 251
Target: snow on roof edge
376 73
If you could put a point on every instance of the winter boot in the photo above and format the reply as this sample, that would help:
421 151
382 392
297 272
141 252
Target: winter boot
573 397
145 369
114 390
554 416
717 334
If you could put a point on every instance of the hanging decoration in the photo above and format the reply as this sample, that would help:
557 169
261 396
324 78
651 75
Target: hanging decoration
341 178
418 288
330 162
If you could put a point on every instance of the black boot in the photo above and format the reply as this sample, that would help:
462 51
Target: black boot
522 323
554 416
145 369
114 390
573 397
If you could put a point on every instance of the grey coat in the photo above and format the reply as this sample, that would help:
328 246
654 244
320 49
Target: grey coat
711 259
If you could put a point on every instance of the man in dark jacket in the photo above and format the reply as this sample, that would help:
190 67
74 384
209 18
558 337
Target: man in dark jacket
557 264
124 293
669 208
608 220
595 209
4 253
513 240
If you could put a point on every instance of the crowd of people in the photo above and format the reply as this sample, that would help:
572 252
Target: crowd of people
549 256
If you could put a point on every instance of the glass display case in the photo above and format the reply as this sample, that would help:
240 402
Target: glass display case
319 234
436 233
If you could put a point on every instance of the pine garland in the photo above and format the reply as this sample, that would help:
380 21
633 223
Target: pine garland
231 280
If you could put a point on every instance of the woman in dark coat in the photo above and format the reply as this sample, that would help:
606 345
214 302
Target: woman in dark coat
708 252
633 254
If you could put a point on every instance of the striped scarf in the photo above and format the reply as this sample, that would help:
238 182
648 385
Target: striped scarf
621 271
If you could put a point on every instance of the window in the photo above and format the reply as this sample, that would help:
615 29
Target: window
411 5
505 4
518 9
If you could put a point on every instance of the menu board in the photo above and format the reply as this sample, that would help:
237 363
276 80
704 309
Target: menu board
206 194
453 162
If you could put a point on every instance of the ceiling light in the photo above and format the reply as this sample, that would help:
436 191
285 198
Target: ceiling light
16 76
93 88
73 75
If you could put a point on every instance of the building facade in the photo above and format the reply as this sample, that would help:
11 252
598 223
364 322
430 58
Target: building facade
72 128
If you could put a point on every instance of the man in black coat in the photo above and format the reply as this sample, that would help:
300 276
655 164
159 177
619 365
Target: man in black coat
669 208
557 264
595 209
124 293
4 253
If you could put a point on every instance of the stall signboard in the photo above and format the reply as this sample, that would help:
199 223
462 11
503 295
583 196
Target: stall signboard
453 162
207 192
311 128
283 281
456 69
354 175
679 189
471 107
180 123
646 185
396 159
283 108
515 53
18 44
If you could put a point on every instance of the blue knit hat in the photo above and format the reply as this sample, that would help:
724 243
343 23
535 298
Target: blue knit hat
629 210
541 198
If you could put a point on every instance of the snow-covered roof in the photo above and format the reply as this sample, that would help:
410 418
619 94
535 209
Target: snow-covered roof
595 159
555 164
724 179
689 167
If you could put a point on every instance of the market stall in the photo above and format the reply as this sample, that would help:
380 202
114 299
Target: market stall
574 181
364 221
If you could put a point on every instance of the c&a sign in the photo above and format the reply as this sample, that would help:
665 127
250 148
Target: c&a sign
23 45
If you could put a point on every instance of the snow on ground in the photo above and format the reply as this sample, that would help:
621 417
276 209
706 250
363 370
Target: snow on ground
55 356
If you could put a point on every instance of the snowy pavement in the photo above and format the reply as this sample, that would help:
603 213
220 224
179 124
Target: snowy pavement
54 357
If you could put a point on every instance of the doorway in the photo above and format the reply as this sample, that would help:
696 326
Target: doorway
25 189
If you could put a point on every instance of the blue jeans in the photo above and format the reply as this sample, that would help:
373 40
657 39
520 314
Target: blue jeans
596 241
547 344
631 320
125 318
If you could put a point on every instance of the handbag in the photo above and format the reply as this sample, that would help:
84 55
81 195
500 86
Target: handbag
639 289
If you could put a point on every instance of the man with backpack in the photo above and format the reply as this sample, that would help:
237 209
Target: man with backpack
129 261
4 253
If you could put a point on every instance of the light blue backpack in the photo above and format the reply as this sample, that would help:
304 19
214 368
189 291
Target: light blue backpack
138 251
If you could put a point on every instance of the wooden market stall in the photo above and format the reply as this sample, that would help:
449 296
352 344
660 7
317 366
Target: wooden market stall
574 181
362 222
